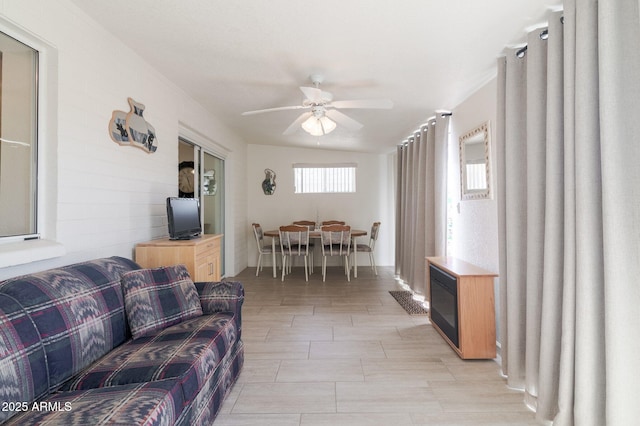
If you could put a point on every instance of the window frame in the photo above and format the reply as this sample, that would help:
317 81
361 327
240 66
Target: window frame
327 187
32 196
23 249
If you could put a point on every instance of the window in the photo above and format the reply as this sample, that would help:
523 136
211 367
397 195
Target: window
324 178
18 138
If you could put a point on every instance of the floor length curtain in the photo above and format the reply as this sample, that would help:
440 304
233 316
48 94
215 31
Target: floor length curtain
421 201
568 140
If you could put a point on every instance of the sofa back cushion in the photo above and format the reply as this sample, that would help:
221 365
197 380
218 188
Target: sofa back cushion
23 371
158 298
78 311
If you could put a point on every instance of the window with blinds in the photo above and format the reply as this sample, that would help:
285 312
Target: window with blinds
476 176
324 178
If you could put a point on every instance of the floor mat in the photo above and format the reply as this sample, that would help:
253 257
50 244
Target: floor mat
405 300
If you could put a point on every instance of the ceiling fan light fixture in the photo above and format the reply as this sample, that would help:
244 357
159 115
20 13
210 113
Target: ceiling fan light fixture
318 126
311 125
327 124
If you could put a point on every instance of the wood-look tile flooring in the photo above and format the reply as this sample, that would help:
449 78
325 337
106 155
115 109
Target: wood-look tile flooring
339 353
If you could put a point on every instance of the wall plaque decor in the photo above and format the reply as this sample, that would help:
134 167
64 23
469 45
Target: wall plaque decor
269 182
131 129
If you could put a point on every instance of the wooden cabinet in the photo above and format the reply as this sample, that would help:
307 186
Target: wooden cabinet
463 313
201 255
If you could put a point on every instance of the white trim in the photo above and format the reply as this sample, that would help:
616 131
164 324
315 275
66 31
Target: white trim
17 238
192 135
22 252
323 165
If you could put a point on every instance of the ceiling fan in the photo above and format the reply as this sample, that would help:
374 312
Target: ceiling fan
323 116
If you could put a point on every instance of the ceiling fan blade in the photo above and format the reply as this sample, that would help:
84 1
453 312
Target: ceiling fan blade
312 93
343 120
315 95
284 108
364 103
296 124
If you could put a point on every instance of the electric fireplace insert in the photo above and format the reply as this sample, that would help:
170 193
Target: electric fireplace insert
444 302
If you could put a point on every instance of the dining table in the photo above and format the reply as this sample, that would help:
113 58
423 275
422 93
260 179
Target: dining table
313 234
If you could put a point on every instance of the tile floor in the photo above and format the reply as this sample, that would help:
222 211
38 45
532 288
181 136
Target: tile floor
339 353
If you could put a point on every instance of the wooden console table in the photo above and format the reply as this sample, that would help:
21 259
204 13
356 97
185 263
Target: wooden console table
476 327
201 255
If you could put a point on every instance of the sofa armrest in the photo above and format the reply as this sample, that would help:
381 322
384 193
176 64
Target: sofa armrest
221 296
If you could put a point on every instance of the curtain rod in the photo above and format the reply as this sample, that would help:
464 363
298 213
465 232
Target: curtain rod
429 120
544 35
442 114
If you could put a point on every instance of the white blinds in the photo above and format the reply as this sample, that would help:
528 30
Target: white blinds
324 178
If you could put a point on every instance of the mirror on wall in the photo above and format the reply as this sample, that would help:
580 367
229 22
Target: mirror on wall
475 167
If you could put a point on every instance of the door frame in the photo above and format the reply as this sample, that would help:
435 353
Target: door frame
203 144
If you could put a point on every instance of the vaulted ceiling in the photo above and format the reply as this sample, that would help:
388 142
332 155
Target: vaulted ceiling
235 56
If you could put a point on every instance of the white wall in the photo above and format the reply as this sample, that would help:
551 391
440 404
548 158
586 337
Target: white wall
105 198
474 222
371 202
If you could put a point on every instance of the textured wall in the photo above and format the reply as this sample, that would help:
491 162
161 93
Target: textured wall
101 198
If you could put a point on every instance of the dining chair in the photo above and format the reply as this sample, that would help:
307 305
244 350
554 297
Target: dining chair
333 222
312 226
262 247
367 248
294 241
310 223
335 241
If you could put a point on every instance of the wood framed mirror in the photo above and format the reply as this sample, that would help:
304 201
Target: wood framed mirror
475 163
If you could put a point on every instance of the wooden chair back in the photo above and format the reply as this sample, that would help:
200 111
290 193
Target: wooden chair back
294 240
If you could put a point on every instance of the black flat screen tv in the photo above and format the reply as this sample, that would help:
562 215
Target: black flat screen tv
183 217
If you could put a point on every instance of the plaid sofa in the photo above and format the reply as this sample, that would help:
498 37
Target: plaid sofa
67 356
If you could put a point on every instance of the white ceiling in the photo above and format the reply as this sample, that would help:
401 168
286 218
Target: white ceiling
234 56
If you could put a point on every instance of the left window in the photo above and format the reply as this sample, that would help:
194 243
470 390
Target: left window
18 138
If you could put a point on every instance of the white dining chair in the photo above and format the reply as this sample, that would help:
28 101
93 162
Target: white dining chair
333 222
335 241
312 226
367 248
262 247
294 241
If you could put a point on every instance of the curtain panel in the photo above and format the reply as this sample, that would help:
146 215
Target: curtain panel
568 140
421 201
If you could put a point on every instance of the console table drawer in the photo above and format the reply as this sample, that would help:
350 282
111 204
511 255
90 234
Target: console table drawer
201 256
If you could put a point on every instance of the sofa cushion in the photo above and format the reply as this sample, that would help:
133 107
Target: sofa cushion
78 311
155 403
23 371
158 298
222 296
189 351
